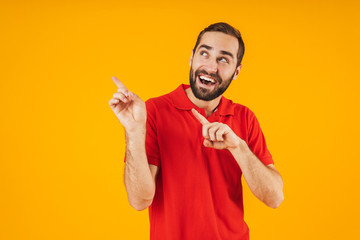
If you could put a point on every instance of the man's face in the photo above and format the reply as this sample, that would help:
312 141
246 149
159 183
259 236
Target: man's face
213 65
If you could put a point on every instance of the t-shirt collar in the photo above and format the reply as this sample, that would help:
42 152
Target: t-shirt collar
181 101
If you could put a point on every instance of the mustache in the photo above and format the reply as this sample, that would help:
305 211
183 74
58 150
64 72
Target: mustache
213 75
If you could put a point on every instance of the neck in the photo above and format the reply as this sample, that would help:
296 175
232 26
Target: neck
209 106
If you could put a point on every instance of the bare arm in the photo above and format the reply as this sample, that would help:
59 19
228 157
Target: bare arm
139 176
264 181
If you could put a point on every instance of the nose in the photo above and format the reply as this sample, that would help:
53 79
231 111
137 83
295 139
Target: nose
211 66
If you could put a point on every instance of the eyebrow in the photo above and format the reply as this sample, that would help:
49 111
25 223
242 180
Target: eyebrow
222 51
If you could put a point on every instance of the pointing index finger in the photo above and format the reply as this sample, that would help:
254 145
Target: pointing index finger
119 84
199 117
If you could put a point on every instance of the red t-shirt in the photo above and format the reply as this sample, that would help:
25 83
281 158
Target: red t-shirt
198 189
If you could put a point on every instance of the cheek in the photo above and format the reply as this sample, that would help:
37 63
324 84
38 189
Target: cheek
226 72
199 61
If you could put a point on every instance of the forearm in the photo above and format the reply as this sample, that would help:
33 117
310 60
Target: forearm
264 182
138 180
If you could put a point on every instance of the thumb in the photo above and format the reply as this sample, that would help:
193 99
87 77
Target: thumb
207 143
214 144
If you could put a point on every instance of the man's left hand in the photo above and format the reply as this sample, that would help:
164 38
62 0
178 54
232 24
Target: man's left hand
217 135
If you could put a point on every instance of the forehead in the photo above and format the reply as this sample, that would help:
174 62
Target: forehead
220 42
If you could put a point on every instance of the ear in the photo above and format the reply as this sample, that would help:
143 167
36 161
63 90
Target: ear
237 71
191 57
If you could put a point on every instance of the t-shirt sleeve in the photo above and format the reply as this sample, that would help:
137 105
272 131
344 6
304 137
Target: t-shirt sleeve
152 146
256 141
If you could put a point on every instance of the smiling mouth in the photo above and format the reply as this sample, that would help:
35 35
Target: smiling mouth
207 81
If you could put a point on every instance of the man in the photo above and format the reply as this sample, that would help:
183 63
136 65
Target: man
186 150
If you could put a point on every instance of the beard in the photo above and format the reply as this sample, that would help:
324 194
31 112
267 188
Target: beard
204 93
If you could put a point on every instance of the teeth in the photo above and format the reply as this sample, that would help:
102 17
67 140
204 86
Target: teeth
207 79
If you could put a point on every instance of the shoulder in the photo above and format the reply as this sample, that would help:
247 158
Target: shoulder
158 102
160 105
238 110
241 115
176 98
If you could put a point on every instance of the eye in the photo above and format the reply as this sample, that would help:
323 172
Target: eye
203 53
223 59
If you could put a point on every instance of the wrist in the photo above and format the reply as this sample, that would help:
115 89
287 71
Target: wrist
136 134
239 148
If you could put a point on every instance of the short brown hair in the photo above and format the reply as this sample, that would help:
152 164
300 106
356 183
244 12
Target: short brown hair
227 29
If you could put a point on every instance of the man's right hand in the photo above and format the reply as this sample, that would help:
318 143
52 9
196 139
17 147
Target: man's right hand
128 108
139 176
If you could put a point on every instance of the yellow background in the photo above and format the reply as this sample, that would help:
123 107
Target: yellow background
61 158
